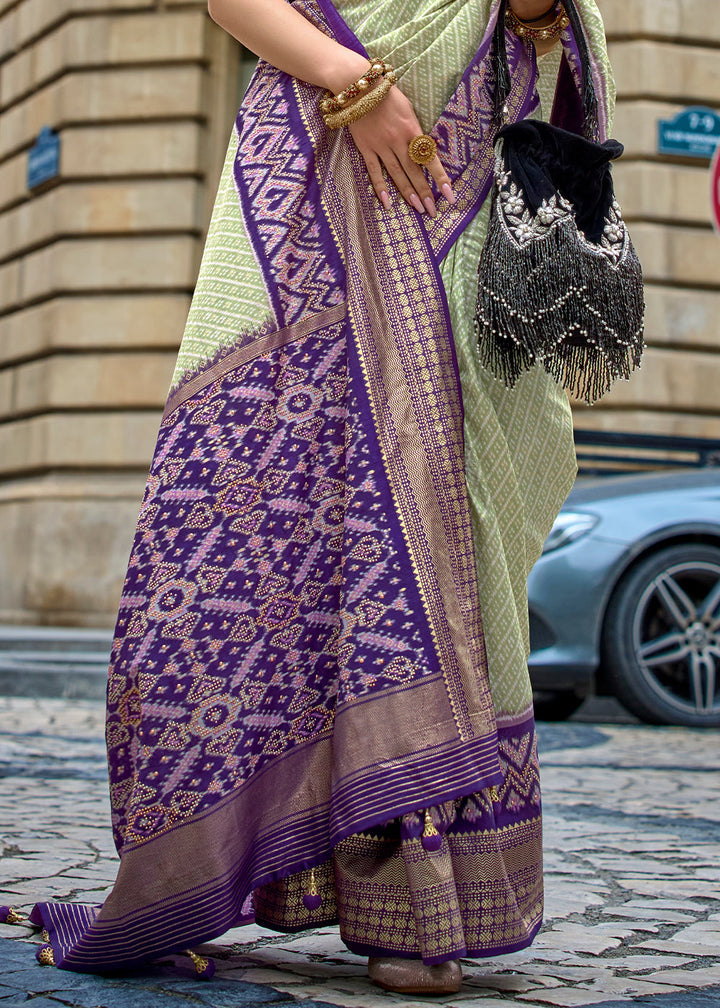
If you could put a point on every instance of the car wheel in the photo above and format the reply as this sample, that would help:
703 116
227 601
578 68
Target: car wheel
661 639
555 705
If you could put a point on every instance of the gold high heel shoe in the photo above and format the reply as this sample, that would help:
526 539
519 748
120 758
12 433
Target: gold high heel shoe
412 976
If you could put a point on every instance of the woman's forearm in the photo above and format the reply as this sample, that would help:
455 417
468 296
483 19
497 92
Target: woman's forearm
279 34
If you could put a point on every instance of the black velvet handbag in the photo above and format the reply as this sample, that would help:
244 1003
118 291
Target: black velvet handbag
559 281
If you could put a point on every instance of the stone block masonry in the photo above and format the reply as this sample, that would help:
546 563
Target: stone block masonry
666 57
96 273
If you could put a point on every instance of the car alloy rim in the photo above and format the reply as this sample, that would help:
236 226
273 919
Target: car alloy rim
676 636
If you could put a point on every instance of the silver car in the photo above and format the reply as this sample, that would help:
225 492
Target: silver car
625 599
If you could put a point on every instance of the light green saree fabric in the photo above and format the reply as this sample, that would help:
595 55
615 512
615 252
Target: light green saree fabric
520 457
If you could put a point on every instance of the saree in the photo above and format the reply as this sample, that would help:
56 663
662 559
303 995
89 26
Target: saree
320 658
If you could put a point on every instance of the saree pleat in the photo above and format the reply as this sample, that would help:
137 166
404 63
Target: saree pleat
323 631
479 894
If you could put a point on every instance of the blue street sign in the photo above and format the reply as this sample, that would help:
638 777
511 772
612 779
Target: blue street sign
43 158
694 132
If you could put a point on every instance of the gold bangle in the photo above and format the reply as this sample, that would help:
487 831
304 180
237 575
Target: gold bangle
362 106
336 103
422 149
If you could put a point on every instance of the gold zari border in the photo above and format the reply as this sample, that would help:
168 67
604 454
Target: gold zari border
397 318
263 344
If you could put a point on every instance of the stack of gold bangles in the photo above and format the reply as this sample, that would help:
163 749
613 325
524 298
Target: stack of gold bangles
359 98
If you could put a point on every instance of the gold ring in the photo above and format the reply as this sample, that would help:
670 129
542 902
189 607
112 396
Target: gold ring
422 150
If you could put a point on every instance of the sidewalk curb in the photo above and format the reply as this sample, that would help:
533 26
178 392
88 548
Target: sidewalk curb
68 663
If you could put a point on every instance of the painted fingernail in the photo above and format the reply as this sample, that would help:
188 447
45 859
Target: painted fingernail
385 199
447 192
415 201
430 206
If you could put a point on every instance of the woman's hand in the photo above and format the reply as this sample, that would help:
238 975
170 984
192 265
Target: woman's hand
280 34
382 137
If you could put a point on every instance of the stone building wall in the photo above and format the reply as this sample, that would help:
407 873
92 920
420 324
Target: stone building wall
96 272
96 269
666 56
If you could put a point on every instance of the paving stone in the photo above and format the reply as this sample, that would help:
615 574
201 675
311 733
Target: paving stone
689 887
637 963
327 942
572 997
680 947
688 978
350 999
549 976
126 997
632 880
259 975
464 998
35 979
708 998
514 983
220 994
647 914
14 930
701 931
621 986
40 1002
591 939
15 955
662 904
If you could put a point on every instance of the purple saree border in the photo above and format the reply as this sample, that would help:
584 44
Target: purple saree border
470 953
340 28
598 78
204 912
251 225
563 114
567 106
387 780
309 192
507 721
527 106
263 344
520 109
149 931
472 765
355 374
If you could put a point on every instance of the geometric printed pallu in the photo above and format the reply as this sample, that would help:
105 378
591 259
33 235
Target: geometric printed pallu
299 689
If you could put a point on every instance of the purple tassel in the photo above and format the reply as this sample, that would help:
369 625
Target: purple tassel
204 966
9 915
432 842
431 839
312 898
45 955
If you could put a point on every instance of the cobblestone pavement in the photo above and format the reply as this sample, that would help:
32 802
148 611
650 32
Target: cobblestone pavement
633 880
